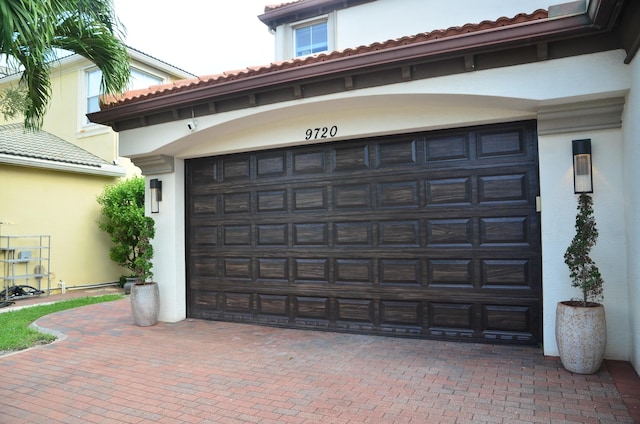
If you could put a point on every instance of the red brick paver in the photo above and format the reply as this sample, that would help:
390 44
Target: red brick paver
107 370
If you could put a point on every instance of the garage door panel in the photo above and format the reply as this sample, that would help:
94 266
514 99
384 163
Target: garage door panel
450 191
450 273
398 195
271 165
396 153
352 196
271 201
428 235
351 159
501 143
400 272
309 162
236 168
447 148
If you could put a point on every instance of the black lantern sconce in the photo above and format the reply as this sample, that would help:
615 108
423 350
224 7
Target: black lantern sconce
582 175
155 187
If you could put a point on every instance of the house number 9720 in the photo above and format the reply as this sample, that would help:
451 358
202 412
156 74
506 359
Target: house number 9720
324 132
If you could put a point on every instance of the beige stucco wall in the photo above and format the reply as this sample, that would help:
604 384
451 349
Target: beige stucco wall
62 205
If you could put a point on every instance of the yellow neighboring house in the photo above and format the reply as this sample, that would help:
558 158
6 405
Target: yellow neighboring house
49 180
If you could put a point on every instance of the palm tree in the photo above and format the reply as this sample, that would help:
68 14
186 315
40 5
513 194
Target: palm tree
32 30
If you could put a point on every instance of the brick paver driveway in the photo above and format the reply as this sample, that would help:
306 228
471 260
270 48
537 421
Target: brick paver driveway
107 370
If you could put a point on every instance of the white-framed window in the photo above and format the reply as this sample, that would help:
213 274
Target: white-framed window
311 38
139 79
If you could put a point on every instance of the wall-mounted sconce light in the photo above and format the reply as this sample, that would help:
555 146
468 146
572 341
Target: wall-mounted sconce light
155 187
582 176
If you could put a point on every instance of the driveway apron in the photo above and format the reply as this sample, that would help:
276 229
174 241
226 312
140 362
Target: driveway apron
107 370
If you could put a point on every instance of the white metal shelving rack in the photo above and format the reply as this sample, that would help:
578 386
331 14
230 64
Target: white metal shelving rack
25 260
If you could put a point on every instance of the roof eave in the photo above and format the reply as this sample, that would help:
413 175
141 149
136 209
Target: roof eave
528 33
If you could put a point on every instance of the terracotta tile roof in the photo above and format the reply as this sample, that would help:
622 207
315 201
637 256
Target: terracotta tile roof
271 7
15 141
210 80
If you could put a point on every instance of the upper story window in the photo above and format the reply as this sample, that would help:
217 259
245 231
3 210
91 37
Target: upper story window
310 39
139 79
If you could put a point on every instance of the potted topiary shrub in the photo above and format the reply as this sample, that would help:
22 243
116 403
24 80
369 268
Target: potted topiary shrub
580 324
123 218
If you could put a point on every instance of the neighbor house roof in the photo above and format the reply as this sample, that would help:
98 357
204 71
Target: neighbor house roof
42 149
566 30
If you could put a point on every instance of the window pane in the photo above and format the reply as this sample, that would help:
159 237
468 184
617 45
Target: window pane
93 104
303 41
311 39
141 79
319 37
93 82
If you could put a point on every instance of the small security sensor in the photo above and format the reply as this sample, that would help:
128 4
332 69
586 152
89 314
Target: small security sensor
192 125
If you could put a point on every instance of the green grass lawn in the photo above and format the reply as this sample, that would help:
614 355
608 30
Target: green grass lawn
15 333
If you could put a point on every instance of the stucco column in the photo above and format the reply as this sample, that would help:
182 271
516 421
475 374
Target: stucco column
169 242
557 126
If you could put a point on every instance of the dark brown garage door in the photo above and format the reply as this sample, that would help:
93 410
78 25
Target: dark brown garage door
430 235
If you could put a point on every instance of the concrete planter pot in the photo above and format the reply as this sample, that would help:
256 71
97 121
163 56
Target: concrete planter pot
581 335
145 304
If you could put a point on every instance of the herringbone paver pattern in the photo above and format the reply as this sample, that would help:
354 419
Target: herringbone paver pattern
107 370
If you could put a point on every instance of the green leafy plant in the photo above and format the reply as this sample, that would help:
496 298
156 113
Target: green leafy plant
584 273
123 218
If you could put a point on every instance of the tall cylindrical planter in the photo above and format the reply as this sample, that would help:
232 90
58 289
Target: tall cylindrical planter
145 304
581 335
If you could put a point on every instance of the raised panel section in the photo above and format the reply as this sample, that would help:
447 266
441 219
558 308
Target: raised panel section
454 191
273 305
400 313
237 235
310 199
205 236
353 196
310 234
272 235
354 271
395 195
273 269
204 267
272 166
237 268
316 308
355 310
500 143
396 153
236 203
311 270
272 201
312 162
507 318
506 273
450 272
400 272
352 234
446 148
351 158
507 230
442 232
451 315
502 188
205 173
237 168
399 233
238 302
204 204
